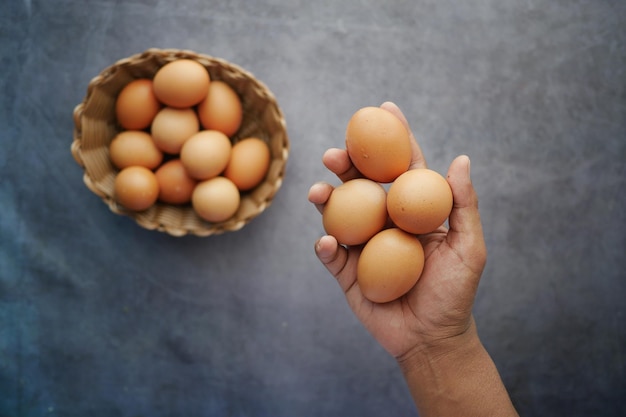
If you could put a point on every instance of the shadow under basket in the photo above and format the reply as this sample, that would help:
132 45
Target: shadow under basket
96 125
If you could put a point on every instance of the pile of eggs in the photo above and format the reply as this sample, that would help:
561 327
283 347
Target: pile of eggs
175 145
362 212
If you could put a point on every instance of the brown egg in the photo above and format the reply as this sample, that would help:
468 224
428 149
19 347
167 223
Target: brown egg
181 83
216 199
419 201
134 148
136 188
206 154
136 105
249 163
221 109
378 144
355 211
172 127
175 184
390 265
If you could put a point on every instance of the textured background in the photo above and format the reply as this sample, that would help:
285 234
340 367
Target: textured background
100 317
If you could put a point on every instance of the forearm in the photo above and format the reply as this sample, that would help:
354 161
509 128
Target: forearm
457 378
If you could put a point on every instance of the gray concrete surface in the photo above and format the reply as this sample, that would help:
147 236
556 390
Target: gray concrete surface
100 317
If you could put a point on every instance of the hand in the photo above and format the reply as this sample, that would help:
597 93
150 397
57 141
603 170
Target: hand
439 306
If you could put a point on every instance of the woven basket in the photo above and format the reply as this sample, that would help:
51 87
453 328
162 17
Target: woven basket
96 125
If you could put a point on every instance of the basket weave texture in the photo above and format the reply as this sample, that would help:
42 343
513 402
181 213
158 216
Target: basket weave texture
95 126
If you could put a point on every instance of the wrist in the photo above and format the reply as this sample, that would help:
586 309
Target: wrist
441 349
455 376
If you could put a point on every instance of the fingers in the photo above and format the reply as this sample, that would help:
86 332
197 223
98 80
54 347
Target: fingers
465 235
319 194
417 157
337 261
339 163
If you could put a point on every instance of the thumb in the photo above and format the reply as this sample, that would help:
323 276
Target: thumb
465 235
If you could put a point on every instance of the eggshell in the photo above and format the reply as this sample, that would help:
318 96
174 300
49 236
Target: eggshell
249 163
175 184
172 127
378 144
419 201
216 199
390 265
206 154
134 147
221 109
355 211
136 188
181 83
136 105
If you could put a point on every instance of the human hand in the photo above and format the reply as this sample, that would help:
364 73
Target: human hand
439 307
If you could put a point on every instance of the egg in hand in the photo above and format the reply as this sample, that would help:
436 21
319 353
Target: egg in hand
378 144
419 201
390 265
355 211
